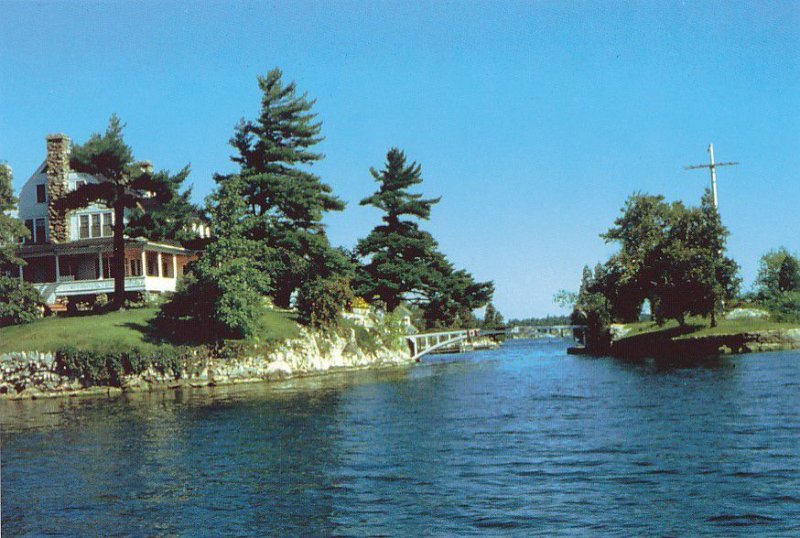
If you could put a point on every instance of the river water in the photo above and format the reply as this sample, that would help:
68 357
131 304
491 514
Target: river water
519 441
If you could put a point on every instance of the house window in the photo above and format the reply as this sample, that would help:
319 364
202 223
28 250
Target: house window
107 229
41 194
166 266
84 228
29 226
135 267
96 225
152 263
108 266
40 235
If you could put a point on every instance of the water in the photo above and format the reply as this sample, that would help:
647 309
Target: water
519 441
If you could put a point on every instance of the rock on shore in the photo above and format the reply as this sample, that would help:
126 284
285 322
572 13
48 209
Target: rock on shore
34 375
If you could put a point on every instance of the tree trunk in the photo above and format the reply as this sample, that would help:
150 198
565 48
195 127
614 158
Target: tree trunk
118 260
713 318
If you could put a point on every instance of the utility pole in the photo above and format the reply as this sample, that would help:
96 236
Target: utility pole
713 168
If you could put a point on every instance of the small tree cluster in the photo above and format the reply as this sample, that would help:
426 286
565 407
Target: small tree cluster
671 255
777 286
492 319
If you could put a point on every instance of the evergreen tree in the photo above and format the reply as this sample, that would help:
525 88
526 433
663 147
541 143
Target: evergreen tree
287 201
123 183
170 219
402 259
789 274
223 294
769 267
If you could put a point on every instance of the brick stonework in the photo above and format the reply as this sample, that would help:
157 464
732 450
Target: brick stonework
57 176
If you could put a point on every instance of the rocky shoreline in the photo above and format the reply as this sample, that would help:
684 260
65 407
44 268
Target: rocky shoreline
34 374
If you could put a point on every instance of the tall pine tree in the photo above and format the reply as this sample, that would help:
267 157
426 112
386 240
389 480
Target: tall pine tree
403 262
402 259
274 152
122 184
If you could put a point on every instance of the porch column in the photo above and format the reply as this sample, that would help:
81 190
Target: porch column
99 265
144 263
21 276
160 269
175 266
58 270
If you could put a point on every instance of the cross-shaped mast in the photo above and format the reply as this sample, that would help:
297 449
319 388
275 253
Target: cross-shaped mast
713 168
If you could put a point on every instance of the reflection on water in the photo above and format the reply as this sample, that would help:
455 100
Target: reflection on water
519 440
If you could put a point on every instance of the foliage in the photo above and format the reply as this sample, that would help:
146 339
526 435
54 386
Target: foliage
401 257
492 319
789 274
769 269
19 302
11 229
107 367
169 218
223 294
543 321
777 286
320 301
592 310
286 201
403 262
783 306
672 255
122 184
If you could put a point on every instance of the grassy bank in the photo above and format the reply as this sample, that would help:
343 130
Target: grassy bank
114 330
699 327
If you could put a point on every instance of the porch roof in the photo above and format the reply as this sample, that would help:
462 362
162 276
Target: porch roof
97 244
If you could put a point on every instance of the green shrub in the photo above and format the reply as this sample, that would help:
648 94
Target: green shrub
19 302
106 368
320 301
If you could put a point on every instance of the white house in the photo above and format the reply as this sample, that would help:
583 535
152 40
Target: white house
69 254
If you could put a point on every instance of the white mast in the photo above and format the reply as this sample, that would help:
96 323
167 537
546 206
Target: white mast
713 167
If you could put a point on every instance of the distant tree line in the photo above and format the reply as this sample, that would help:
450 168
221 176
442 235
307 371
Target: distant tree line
540 322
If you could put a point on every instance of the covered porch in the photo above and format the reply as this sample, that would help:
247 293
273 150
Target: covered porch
85 267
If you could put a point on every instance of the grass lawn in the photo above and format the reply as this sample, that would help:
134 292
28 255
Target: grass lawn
696 326
114 330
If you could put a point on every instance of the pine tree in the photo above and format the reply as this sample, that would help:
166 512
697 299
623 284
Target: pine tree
789 274
169 219
288 201
403 261
123 183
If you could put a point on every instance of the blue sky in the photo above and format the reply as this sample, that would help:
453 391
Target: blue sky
534 120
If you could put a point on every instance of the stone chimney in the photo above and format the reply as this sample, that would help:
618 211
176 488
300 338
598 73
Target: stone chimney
57 176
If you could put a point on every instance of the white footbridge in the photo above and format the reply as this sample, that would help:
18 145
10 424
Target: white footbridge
424 343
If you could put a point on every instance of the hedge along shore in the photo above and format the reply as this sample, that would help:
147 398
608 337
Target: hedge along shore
41 375
689 347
